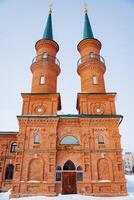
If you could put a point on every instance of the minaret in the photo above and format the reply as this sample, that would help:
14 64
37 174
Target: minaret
93 98
97 107
45 67
37 136
91 65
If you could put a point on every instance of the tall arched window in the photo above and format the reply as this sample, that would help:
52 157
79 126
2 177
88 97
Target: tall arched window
100 139
13 147
79 173
9 172
42 80
69 140
58 173
37 139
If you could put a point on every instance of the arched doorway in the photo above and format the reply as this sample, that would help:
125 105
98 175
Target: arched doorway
69 178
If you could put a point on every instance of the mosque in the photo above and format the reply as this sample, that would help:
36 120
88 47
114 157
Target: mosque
68 154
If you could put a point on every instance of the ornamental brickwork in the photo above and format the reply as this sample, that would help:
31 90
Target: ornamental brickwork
68 154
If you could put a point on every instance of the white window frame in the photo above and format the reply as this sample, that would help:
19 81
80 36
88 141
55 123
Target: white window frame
42 80
101 139
45 55
37 139
94 80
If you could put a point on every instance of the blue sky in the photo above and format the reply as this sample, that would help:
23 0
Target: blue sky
22 23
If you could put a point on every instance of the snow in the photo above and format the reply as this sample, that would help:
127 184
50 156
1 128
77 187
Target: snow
130 187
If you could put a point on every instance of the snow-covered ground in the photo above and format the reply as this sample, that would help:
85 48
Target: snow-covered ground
130 187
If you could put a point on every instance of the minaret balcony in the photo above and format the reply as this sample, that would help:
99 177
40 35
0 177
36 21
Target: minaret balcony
46 59
91 58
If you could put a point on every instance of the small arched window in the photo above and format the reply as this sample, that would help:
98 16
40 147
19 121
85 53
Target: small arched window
100 139
94 80
37 139
13 147
9 172
67 140
42 80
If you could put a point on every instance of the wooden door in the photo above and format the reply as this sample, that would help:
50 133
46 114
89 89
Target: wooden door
69 183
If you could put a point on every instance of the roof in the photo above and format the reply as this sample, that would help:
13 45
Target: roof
48 33
41 93
87 33
8 133
99 93
70 116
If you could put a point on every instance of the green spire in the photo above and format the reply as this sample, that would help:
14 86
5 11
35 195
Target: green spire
88 33
48 33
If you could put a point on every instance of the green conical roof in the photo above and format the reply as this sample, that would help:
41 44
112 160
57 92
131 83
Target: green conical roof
88 33
48 33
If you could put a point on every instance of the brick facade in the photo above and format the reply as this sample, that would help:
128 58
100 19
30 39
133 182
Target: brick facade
50 146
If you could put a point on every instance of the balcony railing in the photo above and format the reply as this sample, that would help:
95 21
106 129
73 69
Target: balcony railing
93 58
46 58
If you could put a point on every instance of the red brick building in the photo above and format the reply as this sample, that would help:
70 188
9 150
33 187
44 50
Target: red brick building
51 153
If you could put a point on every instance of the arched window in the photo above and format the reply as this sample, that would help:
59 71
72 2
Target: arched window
69 140
37 139
9 172
42 80
13 147
94 80
100 139
69 165
79 173
58 173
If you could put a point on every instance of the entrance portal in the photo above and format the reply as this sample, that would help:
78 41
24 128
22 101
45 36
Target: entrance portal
69 183
69 178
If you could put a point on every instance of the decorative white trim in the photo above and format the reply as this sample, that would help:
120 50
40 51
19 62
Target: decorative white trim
33 181
104 181
101 181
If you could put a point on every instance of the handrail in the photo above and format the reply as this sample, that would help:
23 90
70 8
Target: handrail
46 58
91 58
